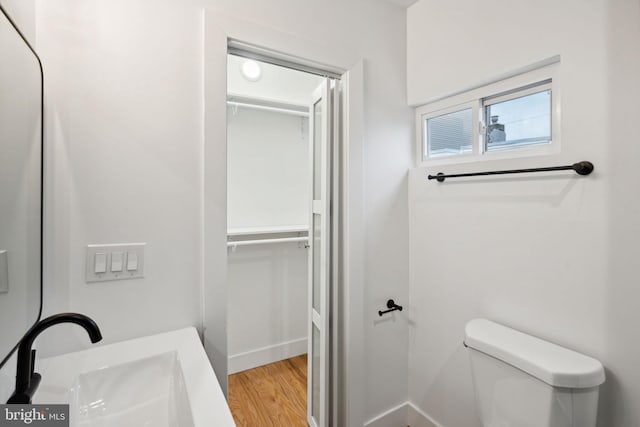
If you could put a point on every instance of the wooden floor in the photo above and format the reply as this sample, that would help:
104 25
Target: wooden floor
273 395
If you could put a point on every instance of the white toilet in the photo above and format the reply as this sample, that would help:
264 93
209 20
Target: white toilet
523 381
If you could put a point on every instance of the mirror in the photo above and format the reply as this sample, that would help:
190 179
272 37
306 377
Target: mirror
20 186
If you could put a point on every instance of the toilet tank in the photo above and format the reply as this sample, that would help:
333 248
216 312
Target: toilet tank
523 381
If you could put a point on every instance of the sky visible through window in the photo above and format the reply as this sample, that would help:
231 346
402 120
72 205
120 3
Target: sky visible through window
525 120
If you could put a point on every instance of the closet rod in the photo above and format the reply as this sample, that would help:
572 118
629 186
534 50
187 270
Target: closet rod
267 108
581 168
265 241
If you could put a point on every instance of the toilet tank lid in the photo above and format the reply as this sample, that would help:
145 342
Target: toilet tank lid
551 363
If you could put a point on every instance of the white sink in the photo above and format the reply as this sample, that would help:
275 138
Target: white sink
163 380
155 395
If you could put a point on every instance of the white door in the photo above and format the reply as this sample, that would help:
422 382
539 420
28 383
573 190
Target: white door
320 113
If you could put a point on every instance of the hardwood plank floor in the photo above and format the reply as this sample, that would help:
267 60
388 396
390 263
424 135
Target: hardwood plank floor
273 395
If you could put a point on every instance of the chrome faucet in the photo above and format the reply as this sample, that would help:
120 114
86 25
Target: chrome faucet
27 380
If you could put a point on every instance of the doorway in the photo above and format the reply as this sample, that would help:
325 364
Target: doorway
281 126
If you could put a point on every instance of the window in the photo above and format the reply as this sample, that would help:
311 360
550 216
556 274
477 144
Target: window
511 118
450 133
519 119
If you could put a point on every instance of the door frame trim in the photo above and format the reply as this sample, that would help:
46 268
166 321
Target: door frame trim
218 30
259 53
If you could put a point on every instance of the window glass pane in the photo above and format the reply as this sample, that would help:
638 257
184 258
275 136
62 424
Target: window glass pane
450 134
520 121
317 150
317 247
315 376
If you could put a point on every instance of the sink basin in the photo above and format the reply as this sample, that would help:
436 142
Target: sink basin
162 380
146 392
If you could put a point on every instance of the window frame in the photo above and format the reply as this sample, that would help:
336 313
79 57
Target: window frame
538 80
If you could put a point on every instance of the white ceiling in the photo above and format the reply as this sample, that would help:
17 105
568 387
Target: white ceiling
277 84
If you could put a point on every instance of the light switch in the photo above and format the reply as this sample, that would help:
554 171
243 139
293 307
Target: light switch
132 261
116 261
4 272
100 263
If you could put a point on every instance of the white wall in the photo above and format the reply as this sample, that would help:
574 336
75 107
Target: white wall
550 255
267 304
22 12
124 144
125 109
268 185
621 350
267 168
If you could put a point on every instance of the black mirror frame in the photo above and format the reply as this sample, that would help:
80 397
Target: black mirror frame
4 12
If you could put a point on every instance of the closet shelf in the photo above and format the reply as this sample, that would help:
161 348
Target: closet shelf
277 229
234 244
275 105
248 236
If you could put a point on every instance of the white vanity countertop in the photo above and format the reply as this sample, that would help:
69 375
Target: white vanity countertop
206 399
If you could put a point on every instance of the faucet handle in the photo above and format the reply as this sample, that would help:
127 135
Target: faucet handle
33 361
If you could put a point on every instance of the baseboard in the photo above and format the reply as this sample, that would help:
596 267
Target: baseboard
403 415
265 355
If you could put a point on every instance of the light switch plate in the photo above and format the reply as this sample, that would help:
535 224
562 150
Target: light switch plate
4 272
121 250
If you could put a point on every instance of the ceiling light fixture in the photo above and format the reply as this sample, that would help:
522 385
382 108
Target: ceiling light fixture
251 70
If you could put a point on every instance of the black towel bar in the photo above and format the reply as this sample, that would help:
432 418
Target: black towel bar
581 168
